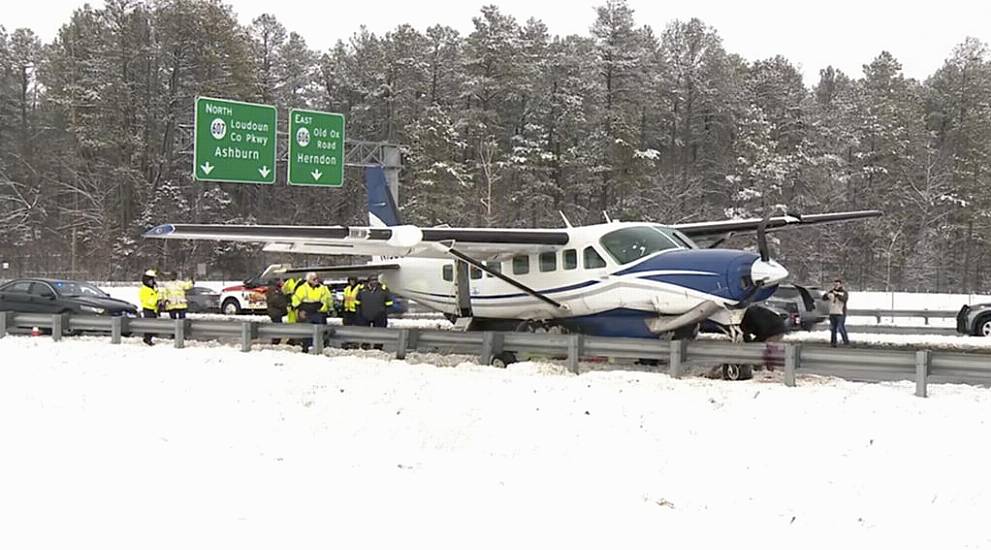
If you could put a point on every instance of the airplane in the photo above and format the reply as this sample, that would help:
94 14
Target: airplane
632 279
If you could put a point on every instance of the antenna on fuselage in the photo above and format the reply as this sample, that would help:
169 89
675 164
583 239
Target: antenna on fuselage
567 223
606 215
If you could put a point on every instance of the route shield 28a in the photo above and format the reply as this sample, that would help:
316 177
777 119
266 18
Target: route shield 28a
316 148
234 141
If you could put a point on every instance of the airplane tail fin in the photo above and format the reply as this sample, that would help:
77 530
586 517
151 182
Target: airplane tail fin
382 211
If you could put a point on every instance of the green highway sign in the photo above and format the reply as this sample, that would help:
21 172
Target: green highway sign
316 148
234 141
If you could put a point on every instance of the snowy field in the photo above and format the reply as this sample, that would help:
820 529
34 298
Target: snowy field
130 447
946 342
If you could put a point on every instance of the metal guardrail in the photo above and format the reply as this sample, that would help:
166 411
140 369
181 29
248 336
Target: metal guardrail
858 364
925 314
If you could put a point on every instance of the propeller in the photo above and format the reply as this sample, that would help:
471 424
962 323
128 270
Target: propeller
765 254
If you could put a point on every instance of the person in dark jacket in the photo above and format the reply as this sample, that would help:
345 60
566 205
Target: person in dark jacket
373 304
837 298
277 303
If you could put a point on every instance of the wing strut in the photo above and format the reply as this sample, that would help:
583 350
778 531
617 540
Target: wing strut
499 275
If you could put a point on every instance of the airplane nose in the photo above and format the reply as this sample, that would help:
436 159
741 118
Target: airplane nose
768 272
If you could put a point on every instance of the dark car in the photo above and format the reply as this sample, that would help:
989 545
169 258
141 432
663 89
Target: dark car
201 299
60 296
808 302
975 320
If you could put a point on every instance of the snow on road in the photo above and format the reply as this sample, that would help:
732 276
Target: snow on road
932 341
132 447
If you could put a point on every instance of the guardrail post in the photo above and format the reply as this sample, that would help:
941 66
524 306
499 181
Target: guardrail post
402 344
491 346
180 333
56 327
116 328
247 335
922 361
793 354
679 349
574 352
3 324
317 347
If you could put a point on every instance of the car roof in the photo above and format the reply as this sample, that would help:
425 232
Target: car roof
47 280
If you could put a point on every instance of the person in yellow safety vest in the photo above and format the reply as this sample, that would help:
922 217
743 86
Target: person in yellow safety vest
350 302
312 301
174 295
288 288
149 300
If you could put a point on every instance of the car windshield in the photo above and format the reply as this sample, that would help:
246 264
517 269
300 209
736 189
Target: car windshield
73 288
632 243
786 292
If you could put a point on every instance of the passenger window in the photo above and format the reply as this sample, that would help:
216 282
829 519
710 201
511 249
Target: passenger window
592 259
521 265
570 258
475 273
548 261
39 289
19 287
493 266
448 272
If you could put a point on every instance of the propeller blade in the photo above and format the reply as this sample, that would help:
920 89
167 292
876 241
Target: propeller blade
765 254
749 298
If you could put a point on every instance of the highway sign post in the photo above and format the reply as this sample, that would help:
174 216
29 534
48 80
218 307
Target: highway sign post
316 148
234 141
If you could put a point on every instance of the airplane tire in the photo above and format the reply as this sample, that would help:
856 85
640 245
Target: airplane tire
737 372
503 360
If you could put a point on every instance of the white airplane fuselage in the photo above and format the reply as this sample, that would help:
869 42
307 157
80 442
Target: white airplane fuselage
598 280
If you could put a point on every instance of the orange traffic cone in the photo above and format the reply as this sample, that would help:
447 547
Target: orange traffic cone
35 331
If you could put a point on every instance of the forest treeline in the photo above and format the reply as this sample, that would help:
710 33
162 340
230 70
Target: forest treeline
504 126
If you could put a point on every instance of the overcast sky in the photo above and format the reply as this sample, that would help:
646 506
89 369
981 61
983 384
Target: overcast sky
844 33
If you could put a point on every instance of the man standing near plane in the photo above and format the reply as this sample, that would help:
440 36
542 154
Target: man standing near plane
373 304
312 301
837 298
350 302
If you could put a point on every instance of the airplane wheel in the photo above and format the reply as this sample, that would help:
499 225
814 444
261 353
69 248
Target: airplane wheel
737 372
503 359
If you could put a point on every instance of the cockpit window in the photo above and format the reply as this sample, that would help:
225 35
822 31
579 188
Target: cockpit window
632 243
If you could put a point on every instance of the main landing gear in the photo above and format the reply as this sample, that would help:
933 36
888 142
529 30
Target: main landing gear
759 325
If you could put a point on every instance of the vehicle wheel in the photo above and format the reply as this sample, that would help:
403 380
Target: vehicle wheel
807 326
983 327
737 372
503 360
231 307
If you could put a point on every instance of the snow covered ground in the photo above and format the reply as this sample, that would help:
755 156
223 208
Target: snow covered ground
207 447
932 341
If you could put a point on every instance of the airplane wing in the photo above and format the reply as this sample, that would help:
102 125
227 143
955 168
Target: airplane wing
714 231
358 270
403 240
